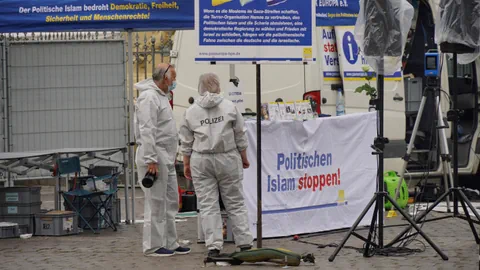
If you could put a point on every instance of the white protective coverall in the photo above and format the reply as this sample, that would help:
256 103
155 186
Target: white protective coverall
157 139
213 134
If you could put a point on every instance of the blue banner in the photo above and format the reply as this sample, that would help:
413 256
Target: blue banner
270 23
255 30
337 12
69 15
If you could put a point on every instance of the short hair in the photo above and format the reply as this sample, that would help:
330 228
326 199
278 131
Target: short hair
279 100
159 73
208 82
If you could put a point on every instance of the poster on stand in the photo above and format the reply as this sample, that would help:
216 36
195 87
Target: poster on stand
352 63
329 53
261 31
235 95
337 12
317 175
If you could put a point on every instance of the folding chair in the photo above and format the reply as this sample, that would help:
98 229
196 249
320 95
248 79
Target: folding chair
78 198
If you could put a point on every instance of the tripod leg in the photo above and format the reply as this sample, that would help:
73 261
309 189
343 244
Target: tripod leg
411 143
420 217
413 223
465 199
355 225
447 173
469 219
371 230
445 183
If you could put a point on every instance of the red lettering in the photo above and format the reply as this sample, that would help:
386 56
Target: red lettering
315 182
300 183
338 176
329 179
309 182
329 47
334 179
322 181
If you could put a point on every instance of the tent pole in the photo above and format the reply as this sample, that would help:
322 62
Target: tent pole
130 115
259 158
5 94
126 154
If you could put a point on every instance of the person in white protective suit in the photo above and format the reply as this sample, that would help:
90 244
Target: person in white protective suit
214 143
157 140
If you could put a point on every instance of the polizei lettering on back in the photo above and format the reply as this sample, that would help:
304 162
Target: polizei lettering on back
210 121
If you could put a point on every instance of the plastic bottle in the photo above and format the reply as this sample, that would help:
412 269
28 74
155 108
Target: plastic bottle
340 102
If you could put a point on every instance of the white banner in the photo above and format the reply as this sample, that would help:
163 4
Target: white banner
317 175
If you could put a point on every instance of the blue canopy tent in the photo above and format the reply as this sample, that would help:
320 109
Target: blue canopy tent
114 15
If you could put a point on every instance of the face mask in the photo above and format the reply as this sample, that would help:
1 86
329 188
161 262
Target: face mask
172 87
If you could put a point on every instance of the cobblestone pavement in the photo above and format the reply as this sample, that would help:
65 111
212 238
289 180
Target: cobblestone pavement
122 249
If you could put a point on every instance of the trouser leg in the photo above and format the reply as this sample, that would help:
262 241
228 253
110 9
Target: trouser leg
172 210
206 188
155 211
230 177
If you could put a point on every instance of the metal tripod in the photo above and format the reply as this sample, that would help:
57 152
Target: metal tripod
380 195
457 192
444 153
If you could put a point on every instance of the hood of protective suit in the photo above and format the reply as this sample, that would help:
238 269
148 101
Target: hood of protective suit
209 100
212 125
148 84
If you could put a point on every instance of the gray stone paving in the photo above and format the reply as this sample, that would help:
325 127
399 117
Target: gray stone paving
122 249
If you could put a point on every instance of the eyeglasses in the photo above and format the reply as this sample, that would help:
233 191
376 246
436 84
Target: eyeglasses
165 73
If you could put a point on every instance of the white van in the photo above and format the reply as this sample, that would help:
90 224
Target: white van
290 82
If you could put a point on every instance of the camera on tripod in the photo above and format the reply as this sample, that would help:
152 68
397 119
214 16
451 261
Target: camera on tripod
432 68
149 179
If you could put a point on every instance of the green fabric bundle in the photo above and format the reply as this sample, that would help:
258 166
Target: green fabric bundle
273 255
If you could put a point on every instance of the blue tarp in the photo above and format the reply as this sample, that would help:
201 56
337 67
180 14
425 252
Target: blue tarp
71 15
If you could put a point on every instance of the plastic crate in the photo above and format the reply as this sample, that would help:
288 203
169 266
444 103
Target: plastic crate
21 220
20 195
56 223
413 94
22 229
19 208
8 230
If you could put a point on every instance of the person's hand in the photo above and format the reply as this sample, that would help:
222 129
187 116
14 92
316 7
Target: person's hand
245 162
153 168
187 172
